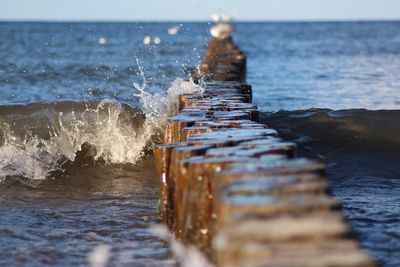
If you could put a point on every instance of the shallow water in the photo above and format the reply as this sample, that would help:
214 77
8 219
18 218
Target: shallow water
59 221
63 85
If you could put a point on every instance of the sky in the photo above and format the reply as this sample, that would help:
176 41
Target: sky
193 10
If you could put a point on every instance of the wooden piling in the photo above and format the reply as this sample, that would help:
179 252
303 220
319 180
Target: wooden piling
232 188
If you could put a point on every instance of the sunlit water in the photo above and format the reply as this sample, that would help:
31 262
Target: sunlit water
58 222
63 85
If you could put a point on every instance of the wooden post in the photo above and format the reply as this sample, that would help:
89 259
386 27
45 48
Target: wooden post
232 188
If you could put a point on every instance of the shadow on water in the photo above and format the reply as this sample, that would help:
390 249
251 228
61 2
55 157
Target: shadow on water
60 220
361 152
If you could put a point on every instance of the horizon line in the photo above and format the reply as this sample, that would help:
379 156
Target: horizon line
198 21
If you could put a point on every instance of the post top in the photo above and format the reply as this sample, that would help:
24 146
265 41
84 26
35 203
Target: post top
222 30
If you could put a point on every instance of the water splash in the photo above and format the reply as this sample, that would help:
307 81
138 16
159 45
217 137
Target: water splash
160 105
100 256
117 133
186 256
32 157
174 30
107 128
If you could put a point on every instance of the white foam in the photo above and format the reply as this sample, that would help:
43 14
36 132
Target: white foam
156 40
102 41
174 30
147 40
102 127
108 128
222 30
100 256
186 256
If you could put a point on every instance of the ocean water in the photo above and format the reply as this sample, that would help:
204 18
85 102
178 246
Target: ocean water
82 103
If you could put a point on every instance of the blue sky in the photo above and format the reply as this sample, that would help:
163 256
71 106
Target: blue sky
178 10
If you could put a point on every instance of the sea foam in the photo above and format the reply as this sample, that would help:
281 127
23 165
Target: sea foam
116 133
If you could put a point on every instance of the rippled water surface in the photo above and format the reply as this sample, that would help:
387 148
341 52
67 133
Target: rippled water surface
59 221
323 65
67 85
360 149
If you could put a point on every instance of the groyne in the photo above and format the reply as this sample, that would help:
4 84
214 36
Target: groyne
232 188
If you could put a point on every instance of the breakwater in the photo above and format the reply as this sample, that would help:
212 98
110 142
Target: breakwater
232 188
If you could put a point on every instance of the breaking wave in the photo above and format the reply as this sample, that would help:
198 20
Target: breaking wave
37 140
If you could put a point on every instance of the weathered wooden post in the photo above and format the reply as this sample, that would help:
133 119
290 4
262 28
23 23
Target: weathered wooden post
234 189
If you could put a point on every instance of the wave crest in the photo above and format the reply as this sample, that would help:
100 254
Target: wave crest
37 140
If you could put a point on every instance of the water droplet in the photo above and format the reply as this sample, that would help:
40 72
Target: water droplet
147 40
157 40
102 40
204 231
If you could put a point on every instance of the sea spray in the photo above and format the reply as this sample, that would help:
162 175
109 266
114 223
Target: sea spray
32 157
186 256
99 256
106 128
117 133
159 105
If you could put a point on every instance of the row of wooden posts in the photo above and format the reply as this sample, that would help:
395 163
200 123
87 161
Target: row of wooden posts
232 188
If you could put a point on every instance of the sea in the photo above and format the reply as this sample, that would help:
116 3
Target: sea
83 104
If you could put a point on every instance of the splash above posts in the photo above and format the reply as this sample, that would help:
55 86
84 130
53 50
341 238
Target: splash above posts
222 30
